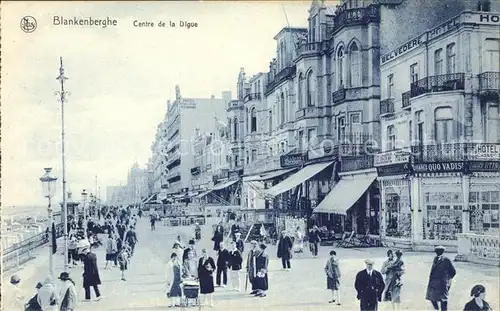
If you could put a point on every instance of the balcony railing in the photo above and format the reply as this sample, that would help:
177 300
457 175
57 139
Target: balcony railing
195 170
489 81
456 152
234 104
355 163
356 16
252 96
338 96
281 76
387 106
308 112
309 47
405 100
435 84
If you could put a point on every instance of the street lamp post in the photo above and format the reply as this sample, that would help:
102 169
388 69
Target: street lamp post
49 188
84 197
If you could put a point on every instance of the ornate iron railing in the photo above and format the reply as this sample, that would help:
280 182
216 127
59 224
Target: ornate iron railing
440 83
252 96
387 106
309 47
405 100
346 17
489 81
281 76
455 152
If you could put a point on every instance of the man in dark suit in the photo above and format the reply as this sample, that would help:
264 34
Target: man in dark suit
369 284
223 258
442 272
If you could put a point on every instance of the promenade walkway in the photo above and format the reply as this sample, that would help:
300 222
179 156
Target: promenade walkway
302 288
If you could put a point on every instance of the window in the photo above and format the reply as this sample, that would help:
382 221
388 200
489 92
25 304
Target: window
414 73
493 124
340 68
270 151
442 215
311 136
282 108
254 155
450 58
270 121
484 210
443 124
236 161
282 55
391 138
438 62
247 127
355 118
341 129
248 157
355 65
484 5
301 140
312 35
235 131
310 89
397 209
390 86
282 149
492 57
253 120
301 90
420 127
410 133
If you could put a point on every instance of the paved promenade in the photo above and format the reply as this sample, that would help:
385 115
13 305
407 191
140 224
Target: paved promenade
303 288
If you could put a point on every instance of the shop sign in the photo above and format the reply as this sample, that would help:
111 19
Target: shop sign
484 152
293 160
394 169
444 28
484 166
392 157
439 167
403 49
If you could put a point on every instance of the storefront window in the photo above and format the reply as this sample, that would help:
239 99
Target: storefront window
484 210
397 212
442 215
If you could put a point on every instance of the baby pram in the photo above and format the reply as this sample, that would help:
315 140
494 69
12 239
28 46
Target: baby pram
190 292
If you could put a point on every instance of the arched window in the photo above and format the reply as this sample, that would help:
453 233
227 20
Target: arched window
253 120
247 122
235 131
340 68
301 90
310 89
391 138
443 128
355 65
282 108
270 121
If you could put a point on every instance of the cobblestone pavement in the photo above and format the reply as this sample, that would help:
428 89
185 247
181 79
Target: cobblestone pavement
302 288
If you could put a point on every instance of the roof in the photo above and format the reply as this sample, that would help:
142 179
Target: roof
290 29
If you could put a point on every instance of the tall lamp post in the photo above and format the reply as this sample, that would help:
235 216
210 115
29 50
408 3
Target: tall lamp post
84 197
49 188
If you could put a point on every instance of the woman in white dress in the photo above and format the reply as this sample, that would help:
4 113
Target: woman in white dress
299 241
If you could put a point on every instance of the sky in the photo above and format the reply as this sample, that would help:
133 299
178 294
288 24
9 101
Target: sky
120 79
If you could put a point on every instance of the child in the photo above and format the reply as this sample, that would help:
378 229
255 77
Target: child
123 260
333 276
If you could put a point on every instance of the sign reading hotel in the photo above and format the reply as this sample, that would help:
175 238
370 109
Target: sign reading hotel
443 28
405 48
391 157
484 152
486 18
444 167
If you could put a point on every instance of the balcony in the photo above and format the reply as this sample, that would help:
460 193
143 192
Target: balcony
456 152
489 84
283 75
405 100
195 170
252 96
173 177
234 104
356 163
387 107
436 84
358 16
309 48
309 112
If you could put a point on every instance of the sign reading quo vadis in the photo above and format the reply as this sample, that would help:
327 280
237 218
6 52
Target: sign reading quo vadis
439 167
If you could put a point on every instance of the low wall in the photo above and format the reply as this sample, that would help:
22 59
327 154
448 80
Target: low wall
479 248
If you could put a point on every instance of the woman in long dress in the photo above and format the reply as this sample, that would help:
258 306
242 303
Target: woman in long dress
393 270
206 267
174 280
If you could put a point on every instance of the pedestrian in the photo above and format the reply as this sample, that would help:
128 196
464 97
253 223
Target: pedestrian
240 245
284 250
393 270
218 236
251 272
332 271
478 293
235 261
72 252
197 232
369 285
152 220
299 241
48 297
263 233
190 267
90 274
178 250
314 239
131 239
190 248
17 302
33 304
261 262
206 267
442 272
174 280
67 293
122 259
222 264
111 249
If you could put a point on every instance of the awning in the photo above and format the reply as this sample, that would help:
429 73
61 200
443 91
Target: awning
297 178
268 176
345 193
223 185
204 193
152 199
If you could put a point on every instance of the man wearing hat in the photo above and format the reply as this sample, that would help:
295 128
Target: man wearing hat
33 304
369 284
442 272
251 267
90 274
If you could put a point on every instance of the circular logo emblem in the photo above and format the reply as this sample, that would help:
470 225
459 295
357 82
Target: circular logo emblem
28 24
